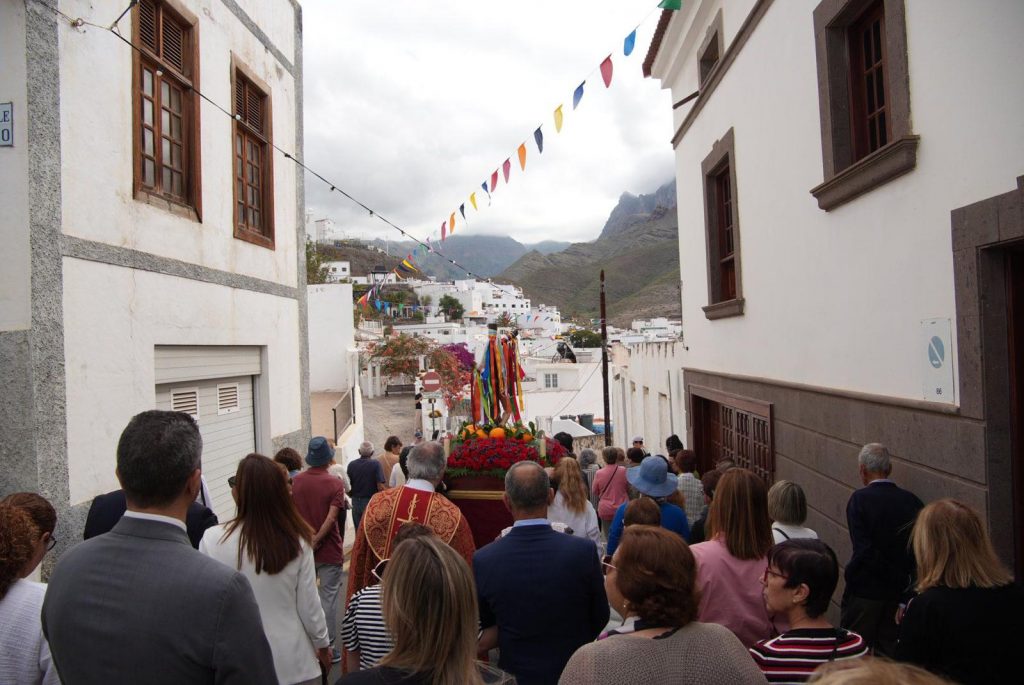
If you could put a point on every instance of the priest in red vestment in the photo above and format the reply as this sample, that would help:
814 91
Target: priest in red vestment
414 501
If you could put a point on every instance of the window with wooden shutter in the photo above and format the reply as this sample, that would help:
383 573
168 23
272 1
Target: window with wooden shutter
731 427
725 296
166 130
253 177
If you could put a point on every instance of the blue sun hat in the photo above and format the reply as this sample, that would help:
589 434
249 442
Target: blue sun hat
652 477
320 452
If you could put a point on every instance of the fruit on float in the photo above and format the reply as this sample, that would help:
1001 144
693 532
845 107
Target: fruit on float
498 433
481 433
527 437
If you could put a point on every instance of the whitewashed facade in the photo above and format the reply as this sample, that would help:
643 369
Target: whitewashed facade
116 299
871 270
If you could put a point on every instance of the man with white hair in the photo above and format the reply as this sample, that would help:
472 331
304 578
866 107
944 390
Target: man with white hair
415 501
881 570
367 478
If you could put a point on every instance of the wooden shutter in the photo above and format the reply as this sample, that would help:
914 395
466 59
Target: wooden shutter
147 25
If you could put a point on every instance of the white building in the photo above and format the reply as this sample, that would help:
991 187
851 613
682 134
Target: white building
846 253
132 276
338 270
542 321
560 388
478 298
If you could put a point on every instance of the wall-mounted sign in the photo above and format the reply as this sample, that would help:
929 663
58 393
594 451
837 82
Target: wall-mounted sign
6 124
936 352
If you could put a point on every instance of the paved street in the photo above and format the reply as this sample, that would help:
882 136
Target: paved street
384 416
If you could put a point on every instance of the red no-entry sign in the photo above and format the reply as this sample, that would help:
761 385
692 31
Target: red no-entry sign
431 381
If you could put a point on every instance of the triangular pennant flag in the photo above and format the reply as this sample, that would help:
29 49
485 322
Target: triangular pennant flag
442 231
494 180
671 5
606 71
472 201
558 119
451 224
577 96
462 210
506 168
522 156
539 138
407 263
629 44
484 186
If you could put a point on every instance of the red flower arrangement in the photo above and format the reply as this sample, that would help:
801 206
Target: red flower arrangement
495 456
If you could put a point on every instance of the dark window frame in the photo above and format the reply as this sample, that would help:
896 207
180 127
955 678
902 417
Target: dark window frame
177 68
730 426
718 171
246 135
711 50
850 169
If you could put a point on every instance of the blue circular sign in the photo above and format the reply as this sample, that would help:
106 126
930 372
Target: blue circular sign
936 352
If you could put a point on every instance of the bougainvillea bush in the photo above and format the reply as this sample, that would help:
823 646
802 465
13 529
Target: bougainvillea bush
461 353
495 456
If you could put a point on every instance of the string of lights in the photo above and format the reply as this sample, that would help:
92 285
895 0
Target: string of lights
80 23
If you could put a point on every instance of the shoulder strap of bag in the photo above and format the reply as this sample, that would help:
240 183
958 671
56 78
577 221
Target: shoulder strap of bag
780 532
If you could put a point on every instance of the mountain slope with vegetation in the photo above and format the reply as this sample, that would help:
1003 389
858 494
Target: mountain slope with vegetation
484 255
639 251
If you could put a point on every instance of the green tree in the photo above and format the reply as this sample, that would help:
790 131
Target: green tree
426 300
451 307
506 320
316 266
581 337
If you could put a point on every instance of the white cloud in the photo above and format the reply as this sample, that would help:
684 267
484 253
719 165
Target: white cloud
410 105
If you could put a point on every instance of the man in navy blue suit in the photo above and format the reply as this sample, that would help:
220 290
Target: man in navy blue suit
541 592
880 574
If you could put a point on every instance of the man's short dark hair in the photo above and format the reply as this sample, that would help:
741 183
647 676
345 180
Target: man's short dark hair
527 486
156 454
811 562
564 439
635 455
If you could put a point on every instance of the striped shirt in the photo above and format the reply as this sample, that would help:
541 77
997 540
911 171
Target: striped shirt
363 630
793 656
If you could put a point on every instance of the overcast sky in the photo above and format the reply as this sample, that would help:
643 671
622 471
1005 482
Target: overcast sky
410 105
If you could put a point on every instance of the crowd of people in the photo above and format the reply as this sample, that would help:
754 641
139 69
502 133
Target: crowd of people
619 568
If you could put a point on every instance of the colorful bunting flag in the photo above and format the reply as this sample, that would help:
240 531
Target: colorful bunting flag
462 210
451 224
522 156
406 263
629 44
577 96
558 119
442 231
539 138
494 180
506 168
675 5
472 201
606 71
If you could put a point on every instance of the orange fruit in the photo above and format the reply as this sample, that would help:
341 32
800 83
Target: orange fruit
527 437
498 433
481 433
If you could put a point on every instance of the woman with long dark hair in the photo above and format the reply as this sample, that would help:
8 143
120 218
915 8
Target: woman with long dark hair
269 542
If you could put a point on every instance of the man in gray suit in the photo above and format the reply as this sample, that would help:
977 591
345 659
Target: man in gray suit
139 604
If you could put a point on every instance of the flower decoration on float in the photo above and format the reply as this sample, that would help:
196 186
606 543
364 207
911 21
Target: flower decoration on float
490 449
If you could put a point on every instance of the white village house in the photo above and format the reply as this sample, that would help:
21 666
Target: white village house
850 179
153 244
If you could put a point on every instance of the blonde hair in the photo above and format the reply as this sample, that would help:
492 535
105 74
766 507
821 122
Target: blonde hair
569 479
787 503
953 549
739 514
430 608
873 671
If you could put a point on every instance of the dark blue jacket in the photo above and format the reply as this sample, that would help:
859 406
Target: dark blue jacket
106 510
880 517
673 518
545 592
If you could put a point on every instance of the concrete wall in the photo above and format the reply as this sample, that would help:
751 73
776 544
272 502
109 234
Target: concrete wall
331 337
646 394
835 299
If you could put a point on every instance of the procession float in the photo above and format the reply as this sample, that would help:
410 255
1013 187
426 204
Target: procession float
492 439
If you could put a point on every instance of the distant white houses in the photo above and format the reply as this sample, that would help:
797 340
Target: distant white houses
338 271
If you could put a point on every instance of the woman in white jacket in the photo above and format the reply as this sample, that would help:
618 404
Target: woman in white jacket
269 542
571 505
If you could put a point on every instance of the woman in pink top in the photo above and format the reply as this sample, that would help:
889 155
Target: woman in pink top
731 563
610 486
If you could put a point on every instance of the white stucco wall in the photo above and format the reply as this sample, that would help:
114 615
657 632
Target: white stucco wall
96 132
114 317
646 394
578 392
331 337
14 262
836 299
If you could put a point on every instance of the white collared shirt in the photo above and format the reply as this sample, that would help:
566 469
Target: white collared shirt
420 484
156 517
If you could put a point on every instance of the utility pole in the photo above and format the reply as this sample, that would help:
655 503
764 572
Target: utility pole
604 369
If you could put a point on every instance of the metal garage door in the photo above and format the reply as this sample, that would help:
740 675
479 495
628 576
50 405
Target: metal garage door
214 384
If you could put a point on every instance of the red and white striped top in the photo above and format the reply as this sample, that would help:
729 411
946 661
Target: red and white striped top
793 656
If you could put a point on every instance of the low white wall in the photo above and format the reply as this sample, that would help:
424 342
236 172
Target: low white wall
331 337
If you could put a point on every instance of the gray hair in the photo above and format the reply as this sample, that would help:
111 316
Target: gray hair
587 457
156 455
874 457
527 485
427 461
787 503
366 449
